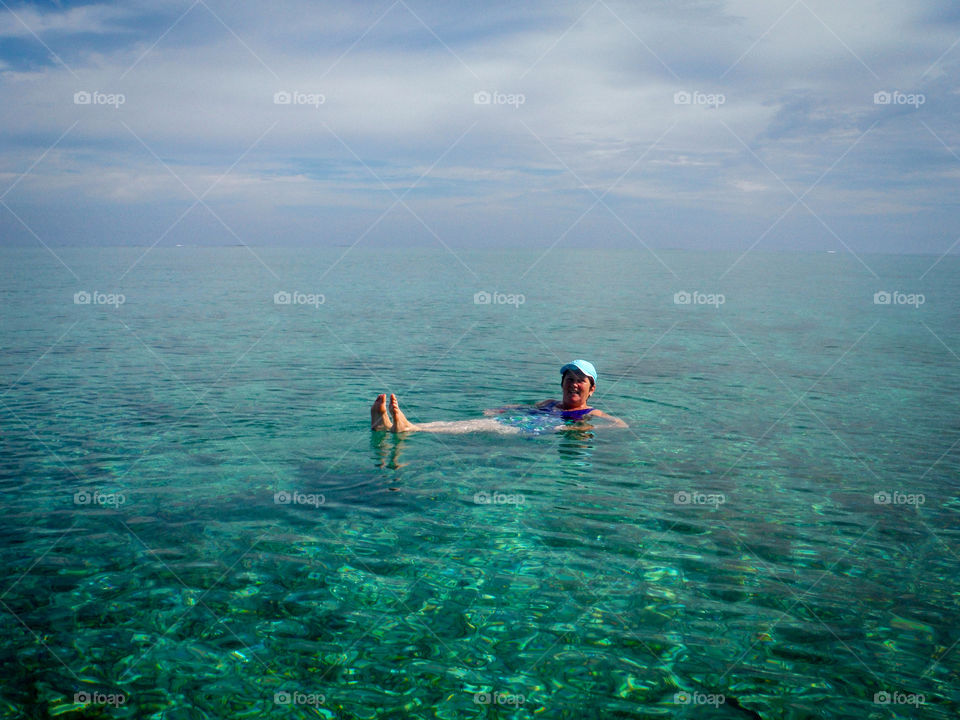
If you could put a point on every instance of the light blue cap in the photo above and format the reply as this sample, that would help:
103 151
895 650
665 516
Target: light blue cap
583 366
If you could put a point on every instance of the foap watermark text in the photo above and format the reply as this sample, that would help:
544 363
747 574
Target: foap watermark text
698 498
884 297
883 97
298 298
899 698
96 697
686 97
482 497
82 297
95 497
296 97
498 298
295 697
485 97
498 698
84 97
298 498
898 498
698 698
699 298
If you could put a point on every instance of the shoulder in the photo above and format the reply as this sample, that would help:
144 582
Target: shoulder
546 403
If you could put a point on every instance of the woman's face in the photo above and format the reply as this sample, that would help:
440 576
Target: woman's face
577 388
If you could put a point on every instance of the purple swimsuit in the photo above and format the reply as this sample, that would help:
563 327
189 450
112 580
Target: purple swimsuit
554 406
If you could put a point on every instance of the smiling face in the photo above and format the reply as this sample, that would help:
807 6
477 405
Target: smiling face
577 389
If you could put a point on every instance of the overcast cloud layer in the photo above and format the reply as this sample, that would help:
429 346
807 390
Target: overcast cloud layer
776 124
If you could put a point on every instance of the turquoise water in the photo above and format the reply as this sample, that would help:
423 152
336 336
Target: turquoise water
199 522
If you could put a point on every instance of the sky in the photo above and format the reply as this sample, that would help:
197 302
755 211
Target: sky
710 124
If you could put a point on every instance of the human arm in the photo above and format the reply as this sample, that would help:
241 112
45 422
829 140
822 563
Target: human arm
617 422
505 408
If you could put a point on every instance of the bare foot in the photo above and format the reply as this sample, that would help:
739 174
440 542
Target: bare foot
379 420
400 422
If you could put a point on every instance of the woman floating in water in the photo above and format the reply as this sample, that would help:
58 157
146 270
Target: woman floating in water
578 380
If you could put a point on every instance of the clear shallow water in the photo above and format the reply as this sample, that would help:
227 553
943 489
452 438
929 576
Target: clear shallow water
605 575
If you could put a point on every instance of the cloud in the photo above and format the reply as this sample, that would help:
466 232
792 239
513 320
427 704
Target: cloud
29 21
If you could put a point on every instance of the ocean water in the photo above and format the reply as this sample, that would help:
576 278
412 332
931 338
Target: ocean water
199 523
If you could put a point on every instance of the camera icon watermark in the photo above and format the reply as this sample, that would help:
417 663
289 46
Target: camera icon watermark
883 297
485 97
298 498
684 297
498 298
283 297
482 497
82 297
95 697
84 97
684 497
297 97
884 97
295 697
695 97
697 698
898 498
95 497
